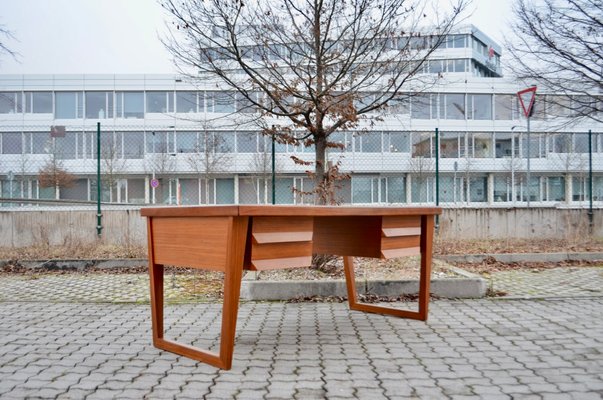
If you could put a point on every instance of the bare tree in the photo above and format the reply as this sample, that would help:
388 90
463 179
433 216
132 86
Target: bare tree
209 158
5 36
314 67
53 173
262 166
560 44
113 164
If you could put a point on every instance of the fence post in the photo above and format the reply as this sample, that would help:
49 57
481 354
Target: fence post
99 215
273 171
590 181
437 175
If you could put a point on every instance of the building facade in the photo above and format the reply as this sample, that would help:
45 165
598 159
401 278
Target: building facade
169 141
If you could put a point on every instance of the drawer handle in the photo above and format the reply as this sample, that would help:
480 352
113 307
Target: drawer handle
394 232
393 253
274 263
281 237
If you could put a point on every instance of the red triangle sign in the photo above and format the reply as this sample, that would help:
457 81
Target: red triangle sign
526 99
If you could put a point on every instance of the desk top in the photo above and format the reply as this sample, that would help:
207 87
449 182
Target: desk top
278 210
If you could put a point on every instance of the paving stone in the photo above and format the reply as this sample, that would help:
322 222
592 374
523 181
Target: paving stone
471 348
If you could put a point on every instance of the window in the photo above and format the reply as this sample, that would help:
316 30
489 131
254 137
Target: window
186 102
421 106
480 145
284 191
369 142
423 144
99 105
502 189
245 105
12 143
452 189
249 192
454 106
362 189
478 189
398 105
186 142
422 189
450 144
396 142
11 102
160 102
159 142
223 102
560 142
38 102
64 147
133 144
436 66
503 145
536 144
68 105
40 142
225 191
481 106
581 143
77 191
558 106
339 139
504 107
396 189
86 142
555 188
129 104
247 142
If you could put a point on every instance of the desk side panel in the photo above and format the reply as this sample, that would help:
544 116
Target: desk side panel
198 242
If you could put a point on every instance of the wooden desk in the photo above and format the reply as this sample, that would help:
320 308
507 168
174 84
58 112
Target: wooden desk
233 238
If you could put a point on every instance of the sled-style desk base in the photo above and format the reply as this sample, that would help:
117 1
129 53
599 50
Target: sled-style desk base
233 238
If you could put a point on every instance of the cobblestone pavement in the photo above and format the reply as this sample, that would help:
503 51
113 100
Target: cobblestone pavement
134 288
472 349
573 281
96 288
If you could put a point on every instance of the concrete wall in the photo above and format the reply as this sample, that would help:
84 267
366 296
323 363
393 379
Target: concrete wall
27 228
126 226
495 223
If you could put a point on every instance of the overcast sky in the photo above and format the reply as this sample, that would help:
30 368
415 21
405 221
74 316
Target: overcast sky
121 36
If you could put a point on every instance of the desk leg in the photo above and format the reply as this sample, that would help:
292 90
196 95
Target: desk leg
427 227
232 287
426 250
156 277
350 280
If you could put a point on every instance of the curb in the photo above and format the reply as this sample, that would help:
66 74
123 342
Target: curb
80 265
468 286
524 257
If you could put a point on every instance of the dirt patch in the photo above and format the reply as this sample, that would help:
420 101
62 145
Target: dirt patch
490 265
403 268
364 268
533 245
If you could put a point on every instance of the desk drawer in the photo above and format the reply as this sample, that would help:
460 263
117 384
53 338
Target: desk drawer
281 242
400 236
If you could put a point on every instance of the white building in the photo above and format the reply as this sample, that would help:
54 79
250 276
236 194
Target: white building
159 130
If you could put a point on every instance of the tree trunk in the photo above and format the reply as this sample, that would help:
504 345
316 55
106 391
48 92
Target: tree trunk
321 186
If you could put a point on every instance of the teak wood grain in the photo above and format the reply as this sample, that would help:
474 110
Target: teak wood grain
197 243
231 238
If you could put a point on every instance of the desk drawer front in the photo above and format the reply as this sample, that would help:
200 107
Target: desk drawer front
191 242
281 242
400 236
